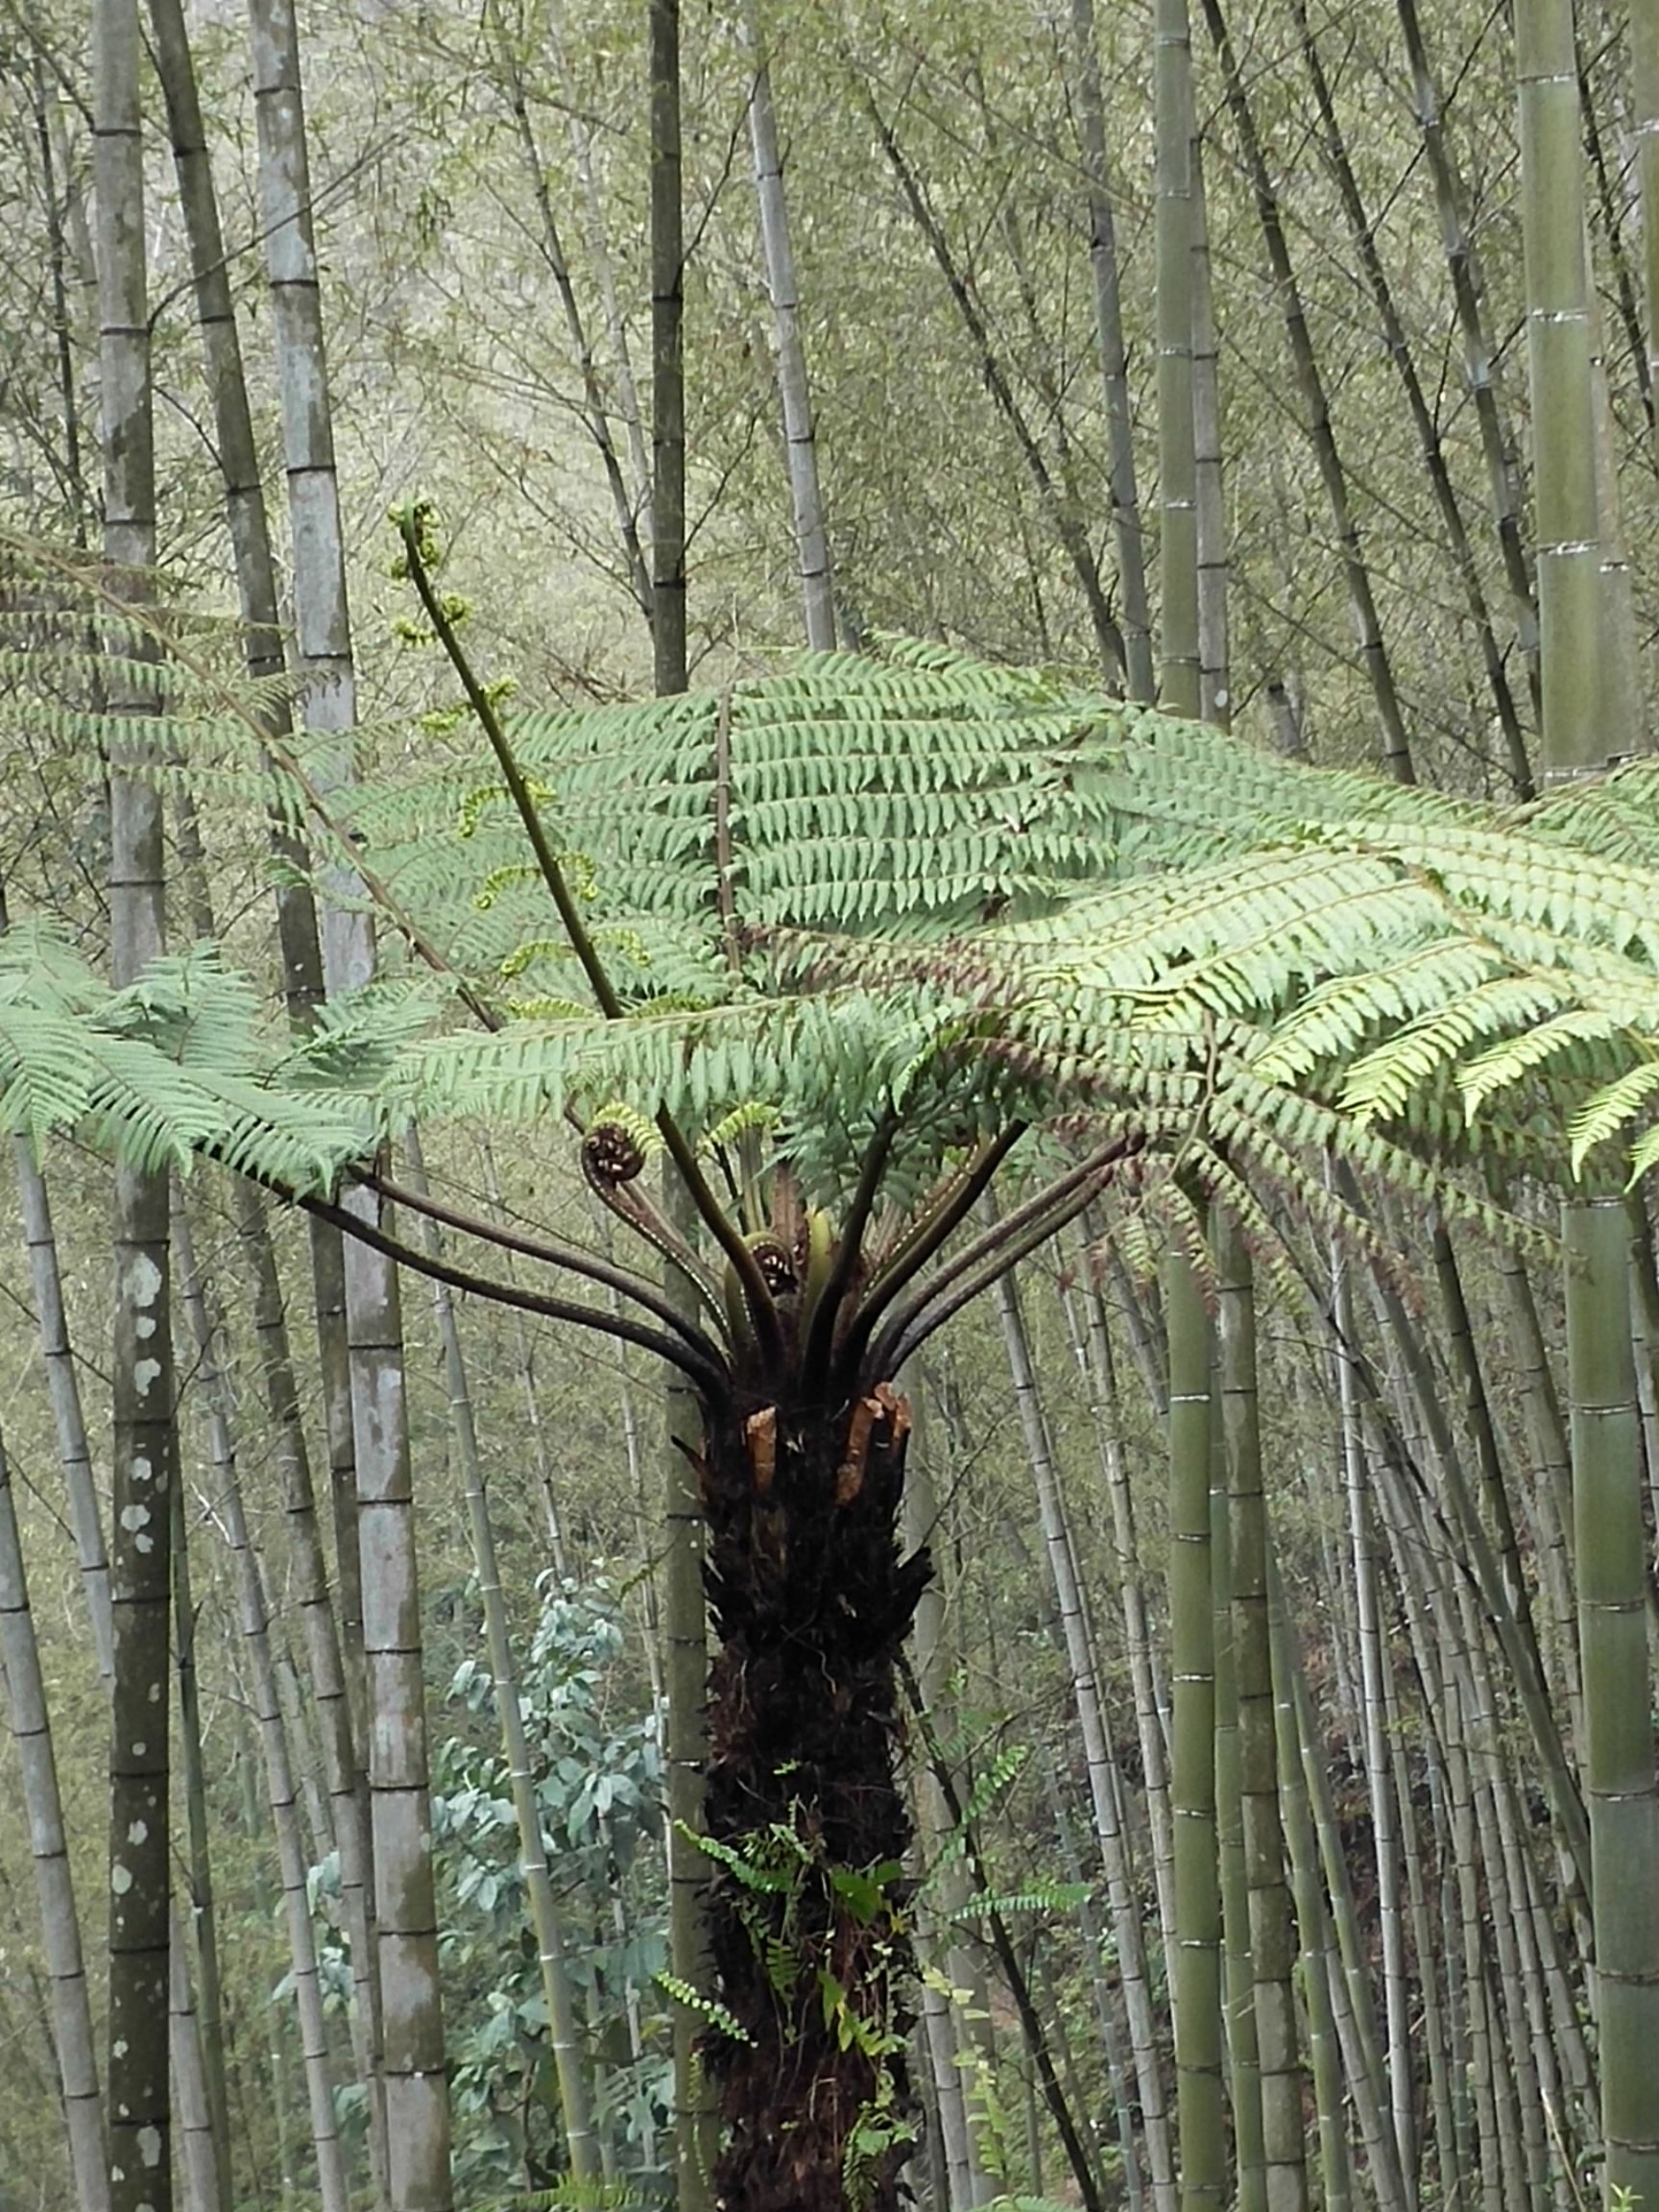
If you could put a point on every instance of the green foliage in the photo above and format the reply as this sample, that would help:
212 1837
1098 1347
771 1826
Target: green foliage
916 887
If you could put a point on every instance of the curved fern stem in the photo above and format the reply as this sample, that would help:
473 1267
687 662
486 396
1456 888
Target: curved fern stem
709 1379
990 1257
762 1311
820 1324
570 1259
918 1247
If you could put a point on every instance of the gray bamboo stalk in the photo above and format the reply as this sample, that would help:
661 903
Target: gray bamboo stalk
1319 1975
201 2157
1179 684
1195 1971
969 2182
1613 1641
254 1613
1434 1630
1480 351
1520 1649
74 1453
413 2074
1128 536
1271 1938
1315 402
1308 1800
582 136
199 2024
1363 233
1378 1757
1551 1488
1644 119
1092 1939
811 539
248 521
276 2049
595 413
1097 1757
328 1697
1442 2127
1239 1983
556 1988
1093 1350
60 1926
1214 650
144 1446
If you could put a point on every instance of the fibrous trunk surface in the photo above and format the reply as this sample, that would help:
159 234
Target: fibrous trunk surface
807 1829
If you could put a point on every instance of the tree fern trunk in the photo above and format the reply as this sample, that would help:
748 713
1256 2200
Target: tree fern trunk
807 1826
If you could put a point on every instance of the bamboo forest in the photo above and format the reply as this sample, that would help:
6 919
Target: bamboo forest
830 1062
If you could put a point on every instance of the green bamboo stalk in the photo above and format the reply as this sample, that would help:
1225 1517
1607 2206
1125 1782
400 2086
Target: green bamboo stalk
1179 683
1272 1943
1379 1754
1239 1983
1195 1971
1313 1917
1613 1641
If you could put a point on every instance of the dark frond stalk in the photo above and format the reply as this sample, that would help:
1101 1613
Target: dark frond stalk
821 1326
1310 384
936 1223
1363 233
567 1257
712 1380
761 1307
990 1254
